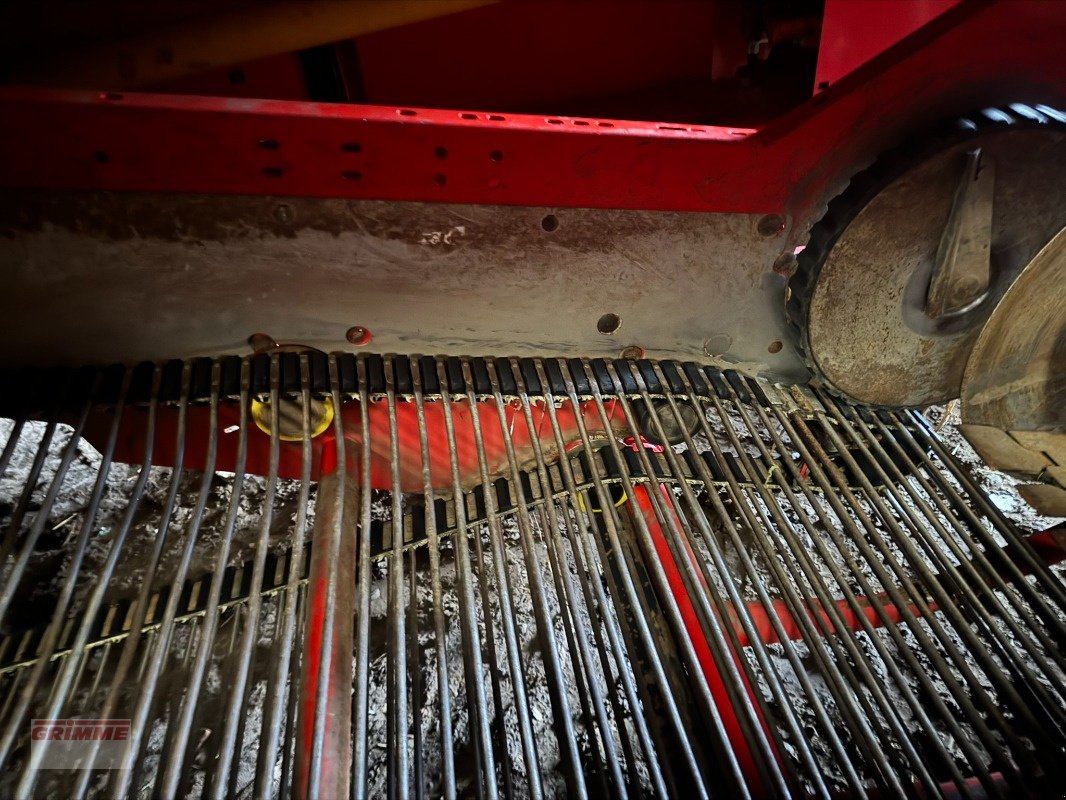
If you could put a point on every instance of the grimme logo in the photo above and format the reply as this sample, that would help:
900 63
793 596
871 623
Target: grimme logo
79 743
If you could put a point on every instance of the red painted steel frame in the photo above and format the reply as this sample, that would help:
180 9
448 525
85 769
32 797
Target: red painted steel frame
854 32
977 54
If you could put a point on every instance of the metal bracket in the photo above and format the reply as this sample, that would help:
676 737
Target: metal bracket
962 269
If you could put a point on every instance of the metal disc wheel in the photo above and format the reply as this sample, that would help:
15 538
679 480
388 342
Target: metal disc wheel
901 274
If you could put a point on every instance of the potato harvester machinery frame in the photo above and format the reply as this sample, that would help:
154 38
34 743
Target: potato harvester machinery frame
364 449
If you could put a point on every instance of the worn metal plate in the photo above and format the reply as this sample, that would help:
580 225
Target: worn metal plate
869 331
100 277
1045 497
1016 375
1015 379
1002 451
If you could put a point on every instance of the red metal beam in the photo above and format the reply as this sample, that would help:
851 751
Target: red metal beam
853 33
974 55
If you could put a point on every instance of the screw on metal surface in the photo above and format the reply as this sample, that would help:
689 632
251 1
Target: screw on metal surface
358 335
771 225
283 214
633 351
260 342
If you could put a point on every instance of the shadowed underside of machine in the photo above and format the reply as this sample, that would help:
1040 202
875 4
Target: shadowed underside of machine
659 514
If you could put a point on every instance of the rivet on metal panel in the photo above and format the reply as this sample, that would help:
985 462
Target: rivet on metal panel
261 341
358 335
633 351
283 214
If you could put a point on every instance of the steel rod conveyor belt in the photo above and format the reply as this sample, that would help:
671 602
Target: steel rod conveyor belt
372 576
